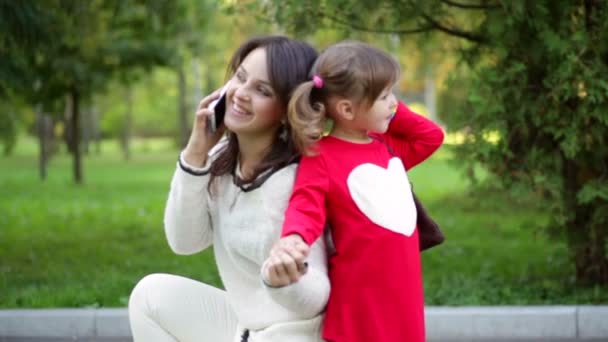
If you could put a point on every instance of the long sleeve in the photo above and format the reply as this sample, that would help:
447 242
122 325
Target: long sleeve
187 223
413 137
306 212
308 296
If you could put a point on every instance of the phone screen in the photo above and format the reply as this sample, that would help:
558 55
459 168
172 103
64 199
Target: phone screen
219 110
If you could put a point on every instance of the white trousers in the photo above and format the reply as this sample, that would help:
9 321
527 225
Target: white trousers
165 307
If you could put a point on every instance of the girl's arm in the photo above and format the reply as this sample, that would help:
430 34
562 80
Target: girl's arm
187 223
412 137
306 212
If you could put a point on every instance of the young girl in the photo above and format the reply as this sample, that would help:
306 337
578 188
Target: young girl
355 180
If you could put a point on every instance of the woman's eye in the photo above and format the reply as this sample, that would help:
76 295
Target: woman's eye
240 76
264 91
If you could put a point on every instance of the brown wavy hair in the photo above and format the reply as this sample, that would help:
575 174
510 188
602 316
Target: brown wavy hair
352 70
289 62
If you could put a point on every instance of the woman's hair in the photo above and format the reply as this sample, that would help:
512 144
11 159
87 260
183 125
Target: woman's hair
352 70
289 62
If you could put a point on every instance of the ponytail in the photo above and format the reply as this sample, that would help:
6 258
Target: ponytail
306 117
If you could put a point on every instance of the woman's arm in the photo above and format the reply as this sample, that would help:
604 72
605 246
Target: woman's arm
308 296
412 136
304 216
187 222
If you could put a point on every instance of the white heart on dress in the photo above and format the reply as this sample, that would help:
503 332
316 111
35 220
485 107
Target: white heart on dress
384 195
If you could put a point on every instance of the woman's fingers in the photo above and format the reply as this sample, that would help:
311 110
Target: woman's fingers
277 275
283 270
287 261
290 267
206 101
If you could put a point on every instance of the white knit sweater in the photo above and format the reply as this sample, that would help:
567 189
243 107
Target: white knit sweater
243 226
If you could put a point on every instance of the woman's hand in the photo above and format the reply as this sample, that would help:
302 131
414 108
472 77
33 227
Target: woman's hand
286 263
201 139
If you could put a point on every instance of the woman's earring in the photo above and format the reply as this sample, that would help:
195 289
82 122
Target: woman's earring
283 134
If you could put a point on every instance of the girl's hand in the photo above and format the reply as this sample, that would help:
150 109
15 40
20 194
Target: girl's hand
201 140
286 263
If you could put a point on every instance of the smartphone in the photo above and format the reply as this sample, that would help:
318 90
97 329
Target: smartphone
219 110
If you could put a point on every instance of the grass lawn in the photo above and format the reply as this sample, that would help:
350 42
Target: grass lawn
63 245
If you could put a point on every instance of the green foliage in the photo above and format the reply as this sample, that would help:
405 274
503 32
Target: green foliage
23 25
540 85
59 46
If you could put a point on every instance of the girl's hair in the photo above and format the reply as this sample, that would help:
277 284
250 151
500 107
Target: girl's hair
352 70
288 64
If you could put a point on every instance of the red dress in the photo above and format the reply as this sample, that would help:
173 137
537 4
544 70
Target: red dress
363 192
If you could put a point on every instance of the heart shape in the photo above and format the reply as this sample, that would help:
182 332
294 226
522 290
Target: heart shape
384 195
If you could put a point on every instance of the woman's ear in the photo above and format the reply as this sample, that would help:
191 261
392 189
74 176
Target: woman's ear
345 109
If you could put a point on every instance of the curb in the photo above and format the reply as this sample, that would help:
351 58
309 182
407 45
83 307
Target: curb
65 323
454 323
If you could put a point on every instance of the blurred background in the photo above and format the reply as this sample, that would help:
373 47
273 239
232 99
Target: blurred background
97 98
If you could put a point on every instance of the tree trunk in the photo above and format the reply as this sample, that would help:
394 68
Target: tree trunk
126 131
85 128
43 151
76 153
430 97
587 234
587 238
67 120
96 131
182 109
196 97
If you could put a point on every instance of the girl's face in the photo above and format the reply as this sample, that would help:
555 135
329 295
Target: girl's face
377 118
252 105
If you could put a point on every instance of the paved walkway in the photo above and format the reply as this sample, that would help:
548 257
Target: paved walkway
444 324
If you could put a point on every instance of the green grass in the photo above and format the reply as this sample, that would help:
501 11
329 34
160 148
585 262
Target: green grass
63 245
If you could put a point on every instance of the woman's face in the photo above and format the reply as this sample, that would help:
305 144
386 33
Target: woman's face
252 106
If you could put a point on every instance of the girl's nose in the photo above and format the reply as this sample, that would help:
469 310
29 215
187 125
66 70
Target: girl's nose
393 107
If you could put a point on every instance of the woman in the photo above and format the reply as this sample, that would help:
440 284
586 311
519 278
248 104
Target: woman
232 194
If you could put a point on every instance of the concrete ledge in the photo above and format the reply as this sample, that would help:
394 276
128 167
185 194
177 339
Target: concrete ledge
75 323
513 323
593 321
502 322
112 323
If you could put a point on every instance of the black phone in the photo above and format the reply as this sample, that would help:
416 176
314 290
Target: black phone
219 110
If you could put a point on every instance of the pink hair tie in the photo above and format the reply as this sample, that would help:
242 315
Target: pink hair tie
317 81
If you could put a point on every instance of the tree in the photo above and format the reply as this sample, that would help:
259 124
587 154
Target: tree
536 80
77 47
23 27
540 87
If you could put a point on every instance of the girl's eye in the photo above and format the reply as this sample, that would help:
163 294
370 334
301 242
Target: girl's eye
240 76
